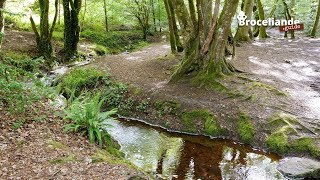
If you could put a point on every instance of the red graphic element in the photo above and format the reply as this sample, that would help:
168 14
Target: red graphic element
297 27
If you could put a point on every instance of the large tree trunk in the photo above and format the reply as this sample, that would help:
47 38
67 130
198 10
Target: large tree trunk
171 30
244 33
316 22
44 35
262 29
1 21
204 57
71 9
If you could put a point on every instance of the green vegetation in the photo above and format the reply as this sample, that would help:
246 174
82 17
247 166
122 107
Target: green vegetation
267 88
245 128
87 119
63 160
114 42
303 145
167 107
79 80
18 124
278 142
14 75
211 124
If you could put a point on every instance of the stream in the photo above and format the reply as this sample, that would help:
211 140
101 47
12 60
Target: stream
174 155
168 155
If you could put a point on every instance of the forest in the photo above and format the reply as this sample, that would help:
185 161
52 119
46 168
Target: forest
160 89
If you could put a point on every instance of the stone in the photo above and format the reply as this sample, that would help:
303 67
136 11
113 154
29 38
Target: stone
295 167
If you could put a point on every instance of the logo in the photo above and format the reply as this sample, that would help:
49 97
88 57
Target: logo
283 24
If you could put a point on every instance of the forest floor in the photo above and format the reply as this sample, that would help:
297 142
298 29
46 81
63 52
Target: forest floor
41 148
281 76
33 145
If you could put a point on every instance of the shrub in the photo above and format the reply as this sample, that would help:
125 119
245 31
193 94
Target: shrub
87 119
114 94
245 128
278 142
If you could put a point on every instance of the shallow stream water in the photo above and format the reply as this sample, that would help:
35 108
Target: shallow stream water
168 155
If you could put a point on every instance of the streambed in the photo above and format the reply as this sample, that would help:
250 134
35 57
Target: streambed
168 155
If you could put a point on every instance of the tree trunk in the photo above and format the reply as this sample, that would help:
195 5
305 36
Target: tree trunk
316 22
171 30
175 28
71 10
153 15
244 33
288 17
1 21
44 35
105 15
205 68
262 29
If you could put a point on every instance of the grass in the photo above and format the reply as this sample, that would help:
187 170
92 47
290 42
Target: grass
245 128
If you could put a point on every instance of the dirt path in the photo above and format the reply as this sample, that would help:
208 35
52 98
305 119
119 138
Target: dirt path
289 65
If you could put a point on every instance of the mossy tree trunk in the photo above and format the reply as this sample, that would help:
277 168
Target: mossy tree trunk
105 15
71 9
316 22
2 2
44 34
244 33
262 29
175 42
205 44
288 16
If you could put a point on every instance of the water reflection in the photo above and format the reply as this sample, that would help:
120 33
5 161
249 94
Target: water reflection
173 156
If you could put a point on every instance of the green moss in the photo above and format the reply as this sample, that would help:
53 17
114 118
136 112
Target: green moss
278 142
78 80
267 88
55 144
211 124
209 81
245 128
306 145
63 160
283 123
189 119
167 107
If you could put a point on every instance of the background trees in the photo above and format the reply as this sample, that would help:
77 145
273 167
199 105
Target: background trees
1 20
97 19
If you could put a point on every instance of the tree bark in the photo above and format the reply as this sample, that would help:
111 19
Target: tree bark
2 2
71 9
44 35
244 33
262 29
204 68
316 22
105 15
171 30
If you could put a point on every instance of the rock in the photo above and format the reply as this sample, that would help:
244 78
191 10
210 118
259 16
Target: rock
295 167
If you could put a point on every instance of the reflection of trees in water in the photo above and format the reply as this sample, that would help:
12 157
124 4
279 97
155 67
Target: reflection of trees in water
206 162
242 165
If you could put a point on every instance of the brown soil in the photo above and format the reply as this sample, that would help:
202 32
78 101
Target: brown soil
291 66
41 150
